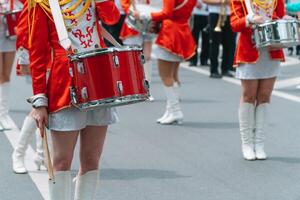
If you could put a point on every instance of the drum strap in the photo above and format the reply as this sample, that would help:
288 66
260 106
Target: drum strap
181 5
109 37
61 29
248 7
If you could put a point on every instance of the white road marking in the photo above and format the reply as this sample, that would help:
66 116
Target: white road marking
40 178
277 93
287 83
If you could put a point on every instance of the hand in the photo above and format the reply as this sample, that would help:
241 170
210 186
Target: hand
25 70
136 14
287 17
41 117
199 5
256 19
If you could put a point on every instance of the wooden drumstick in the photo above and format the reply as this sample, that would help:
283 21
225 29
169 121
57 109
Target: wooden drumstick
48 156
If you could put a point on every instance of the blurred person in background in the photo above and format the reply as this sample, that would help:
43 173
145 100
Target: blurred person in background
200 26
220 33
7 54
174 46
293 7
115 29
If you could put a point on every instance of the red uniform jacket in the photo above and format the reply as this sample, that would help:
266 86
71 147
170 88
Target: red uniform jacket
22 31
245 50
175 34
22 40
59 81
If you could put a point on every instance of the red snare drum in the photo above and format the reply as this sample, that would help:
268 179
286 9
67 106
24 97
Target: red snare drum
108 77
11 19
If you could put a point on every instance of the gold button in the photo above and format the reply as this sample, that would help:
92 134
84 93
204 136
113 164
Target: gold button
69 29
96 46
75 50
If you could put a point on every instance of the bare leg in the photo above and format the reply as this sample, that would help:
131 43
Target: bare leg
63 149
166 71
265 89
176 73
91 144
8 59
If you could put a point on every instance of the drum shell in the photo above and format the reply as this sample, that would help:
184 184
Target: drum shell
277 34
110 78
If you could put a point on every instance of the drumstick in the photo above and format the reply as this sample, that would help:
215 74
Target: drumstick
47 154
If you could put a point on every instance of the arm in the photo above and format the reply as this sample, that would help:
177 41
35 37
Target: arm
39 55
166 13
238 19
22 37
107 11
279 10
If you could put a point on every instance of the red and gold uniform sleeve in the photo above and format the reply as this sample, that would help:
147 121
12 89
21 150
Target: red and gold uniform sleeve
238 16
108 12
166 13
38 52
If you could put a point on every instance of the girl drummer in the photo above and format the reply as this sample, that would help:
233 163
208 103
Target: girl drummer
173 47
133 37
52 98
257 70
7 54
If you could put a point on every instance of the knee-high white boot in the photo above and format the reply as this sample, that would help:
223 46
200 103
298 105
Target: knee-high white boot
246 120
174 113
148 75
86 185
260 123
61 189
4 105
28 129
39 158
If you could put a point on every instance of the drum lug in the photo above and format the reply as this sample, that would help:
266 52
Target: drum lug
116 60
142 57
73 95
146 84
71 72
120 87
80 67
84 93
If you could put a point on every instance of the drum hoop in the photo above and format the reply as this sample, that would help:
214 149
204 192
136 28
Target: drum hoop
278 21
10 12
104 51
110 102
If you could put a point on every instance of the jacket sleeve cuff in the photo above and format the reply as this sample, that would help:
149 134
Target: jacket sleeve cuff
23 56
39 100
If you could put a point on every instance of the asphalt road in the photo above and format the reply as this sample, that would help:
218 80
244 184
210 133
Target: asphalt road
198 160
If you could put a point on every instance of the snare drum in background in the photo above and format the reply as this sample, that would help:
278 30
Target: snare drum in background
277 34
108 77
141 25
11 20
